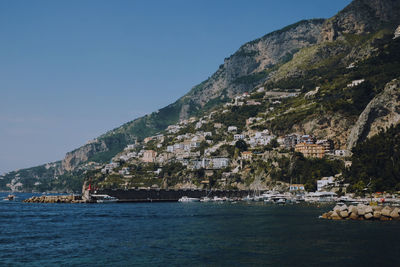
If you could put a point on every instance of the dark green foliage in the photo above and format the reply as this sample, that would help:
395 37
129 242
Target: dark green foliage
238 115
241 145
376 163
305 170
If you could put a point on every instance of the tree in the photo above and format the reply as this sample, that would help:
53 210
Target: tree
241 145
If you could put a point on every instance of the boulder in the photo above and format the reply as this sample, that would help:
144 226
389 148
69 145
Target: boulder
377 208
337 208
368 216
343 208
353 216
368 209
377 214
395 213
335 216
386 211
324 216
361 210
353 210
344 214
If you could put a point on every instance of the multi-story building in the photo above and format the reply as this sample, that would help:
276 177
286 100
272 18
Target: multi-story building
310 150
291 140
327 144
149 156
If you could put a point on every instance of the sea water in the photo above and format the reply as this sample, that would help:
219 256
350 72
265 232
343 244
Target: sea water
195 234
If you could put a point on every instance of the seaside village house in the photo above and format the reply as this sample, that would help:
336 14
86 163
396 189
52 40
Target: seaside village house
149 156
296 187
310 150
247 155
325 182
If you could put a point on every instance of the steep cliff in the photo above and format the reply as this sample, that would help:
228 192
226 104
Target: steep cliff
362 17
382 112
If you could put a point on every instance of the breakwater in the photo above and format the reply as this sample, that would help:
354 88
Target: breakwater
363 212
55 199
162 195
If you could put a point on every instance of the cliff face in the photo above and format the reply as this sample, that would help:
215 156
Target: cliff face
74 158
360 17
382 112
250 65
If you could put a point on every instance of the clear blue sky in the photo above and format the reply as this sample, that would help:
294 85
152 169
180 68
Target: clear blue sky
71 70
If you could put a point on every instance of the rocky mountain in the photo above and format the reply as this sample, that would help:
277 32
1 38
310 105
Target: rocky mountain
361 17
329 54
382 112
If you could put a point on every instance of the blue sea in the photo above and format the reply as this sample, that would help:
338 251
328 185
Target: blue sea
189 234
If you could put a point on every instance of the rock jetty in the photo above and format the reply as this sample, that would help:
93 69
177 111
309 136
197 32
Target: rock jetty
363 212
55 199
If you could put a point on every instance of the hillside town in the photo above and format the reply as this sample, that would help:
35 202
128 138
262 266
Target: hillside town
212 152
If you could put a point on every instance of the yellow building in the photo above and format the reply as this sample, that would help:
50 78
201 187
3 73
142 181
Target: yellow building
149 156
310 150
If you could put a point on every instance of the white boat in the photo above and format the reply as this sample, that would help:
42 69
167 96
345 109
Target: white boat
188 199
281 201
321 197
205 199
10 198
248 198
104 198
217 199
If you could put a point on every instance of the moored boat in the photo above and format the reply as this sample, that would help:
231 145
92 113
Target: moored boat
104 198
10 198
188 199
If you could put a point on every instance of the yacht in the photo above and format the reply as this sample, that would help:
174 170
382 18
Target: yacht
188 199
205 199
104 198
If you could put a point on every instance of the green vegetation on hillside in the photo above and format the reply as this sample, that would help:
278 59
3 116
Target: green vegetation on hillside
376 163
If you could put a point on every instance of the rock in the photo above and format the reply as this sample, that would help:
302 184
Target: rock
377 208
335 216
395 213
324 216
386 211
368 216
368 209
344 207
353 210
337 208
361 210
353 216
377 214
380 113
344 214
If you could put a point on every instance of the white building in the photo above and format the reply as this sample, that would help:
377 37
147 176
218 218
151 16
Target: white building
355 83
238 137
324 182
342 153
219 163
232 129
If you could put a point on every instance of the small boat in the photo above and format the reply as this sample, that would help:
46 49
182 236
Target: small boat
104 199
248 198
281 201
188 199
10 198
205 199
218 199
